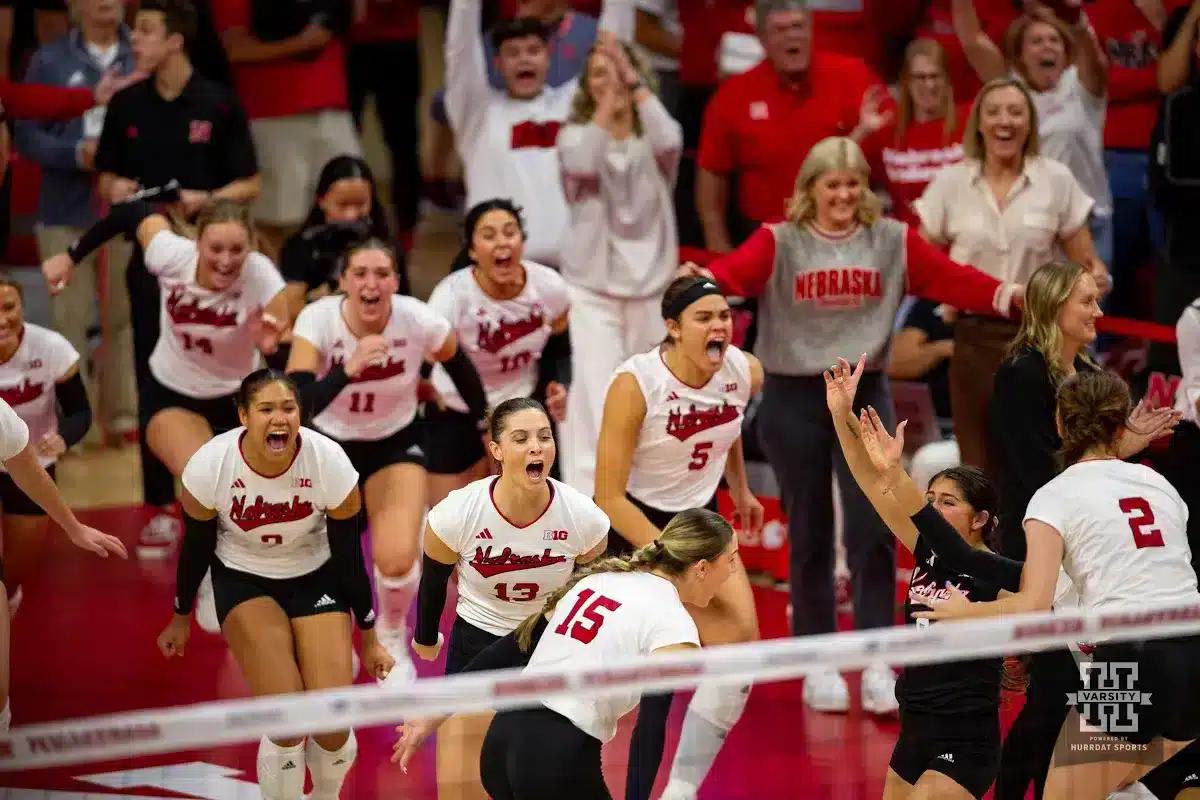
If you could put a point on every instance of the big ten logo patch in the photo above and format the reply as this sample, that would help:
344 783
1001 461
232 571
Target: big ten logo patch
555 536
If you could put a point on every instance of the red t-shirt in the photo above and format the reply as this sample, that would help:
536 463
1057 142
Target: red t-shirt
905 167
937 24
762 129
703 23
388 21
287 87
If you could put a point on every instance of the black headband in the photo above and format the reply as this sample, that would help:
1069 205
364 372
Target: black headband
688 296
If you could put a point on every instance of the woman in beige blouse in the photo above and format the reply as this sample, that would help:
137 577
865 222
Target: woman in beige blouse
1006 210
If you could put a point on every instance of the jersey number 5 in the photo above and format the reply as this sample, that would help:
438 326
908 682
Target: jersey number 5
521 592
699 456
585 630
1141 517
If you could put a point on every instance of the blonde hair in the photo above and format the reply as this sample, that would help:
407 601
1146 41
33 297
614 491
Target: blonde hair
690 537
1045 295
931 49
1014 41
973 147
215 213
835 153
583 105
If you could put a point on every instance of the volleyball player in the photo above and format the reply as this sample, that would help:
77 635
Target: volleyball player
368 344
514 539
39 378
222 304
617 608
273 510
20 457
510 316
672 427
1119 530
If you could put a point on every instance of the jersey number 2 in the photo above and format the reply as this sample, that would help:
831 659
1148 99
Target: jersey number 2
1141 517
521 592
585 630
362 401
699 456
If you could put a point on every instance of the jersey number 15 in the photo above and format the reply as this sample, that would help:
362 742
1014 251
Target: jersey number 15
585 630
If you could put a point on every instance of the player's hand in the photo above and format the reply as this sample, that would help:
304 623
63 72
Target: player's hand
428 652
884 450
1100 274
412 735
376 660
265 329
428 393
174 638
956 606
50 446
98 542
691 269
747 513
556 401
121 189
370 350
192 201
841 383
58 270
1144 426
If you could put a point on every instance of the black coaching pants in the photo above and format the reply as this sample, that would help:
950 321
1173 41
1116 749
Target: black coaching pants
158 485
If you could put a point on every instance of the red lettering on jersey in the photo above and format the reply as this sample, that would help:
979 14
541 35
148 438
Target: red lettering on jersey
927 589
844 287
186 310
375 372
1069 627
731 387
685 424
489 566
495 337
260 512
34 364
23 393
301 483
535 135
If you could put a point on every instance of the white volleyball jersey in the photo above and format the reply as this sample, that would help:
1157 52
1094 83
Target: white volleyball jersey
14 433
608 617
272 527
503 338
1124 530
383 398
687 431
506 571
204 349
29 378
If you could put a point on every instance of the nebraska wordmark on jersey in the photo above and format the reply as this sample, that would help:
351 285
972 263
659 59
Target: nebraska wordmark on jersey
382 399
272 527
28 379
1124 530
204 348
687 431
505 571
503 338
609 617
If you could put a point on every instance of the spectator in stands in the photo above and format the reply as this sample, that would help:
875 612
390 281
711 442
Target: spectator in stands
177 125
619 153
923 135
760 125
288 65
50 23
1042 210
506 138
1180 465
658 33
1066 72
66 153
384 62
569 37
831 279
936 21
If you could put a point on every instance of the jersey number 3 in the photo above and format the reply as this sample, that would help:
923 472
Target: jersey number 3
584 630
1140 518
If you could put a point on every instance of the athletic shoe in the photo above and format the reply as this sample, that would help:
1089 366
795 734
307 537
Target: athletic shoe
395 641
158 539
825 690
206 606
879 690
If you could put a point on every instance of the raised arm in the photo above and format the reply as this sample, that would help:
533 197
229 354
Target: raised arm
1179 38
467 90
982 53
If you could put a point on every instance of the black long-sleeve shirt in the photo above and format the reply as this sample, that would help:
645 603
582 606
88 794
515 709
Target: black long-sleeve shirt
1023 440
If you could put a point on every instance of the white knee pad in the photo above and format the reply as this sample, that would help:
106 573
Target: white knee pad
328 769
396 595
720 704
280 771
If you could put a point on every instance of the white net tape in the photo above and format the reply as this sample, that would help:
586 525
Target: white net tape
187 727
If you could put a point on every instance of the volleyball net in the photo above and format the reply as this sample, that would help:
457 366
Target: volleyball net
162 730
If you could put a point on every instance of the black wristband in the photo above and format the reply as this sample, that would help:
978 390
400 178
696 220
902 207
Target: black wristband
196 554
431 599
466 380
346 556
316 395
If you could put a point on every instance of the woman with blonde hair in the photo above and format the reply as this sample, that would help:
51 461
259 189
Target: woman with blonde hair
1007 210
829 280
1064 67
620 154
924 133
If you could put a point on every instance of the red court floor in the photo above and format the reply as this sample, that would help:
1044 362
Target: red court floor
84 643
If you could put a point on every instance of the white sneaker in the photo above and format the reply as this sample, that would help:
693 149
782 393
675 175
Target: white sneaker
206 606
158 539
879 690
395 641
825 690
678 790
